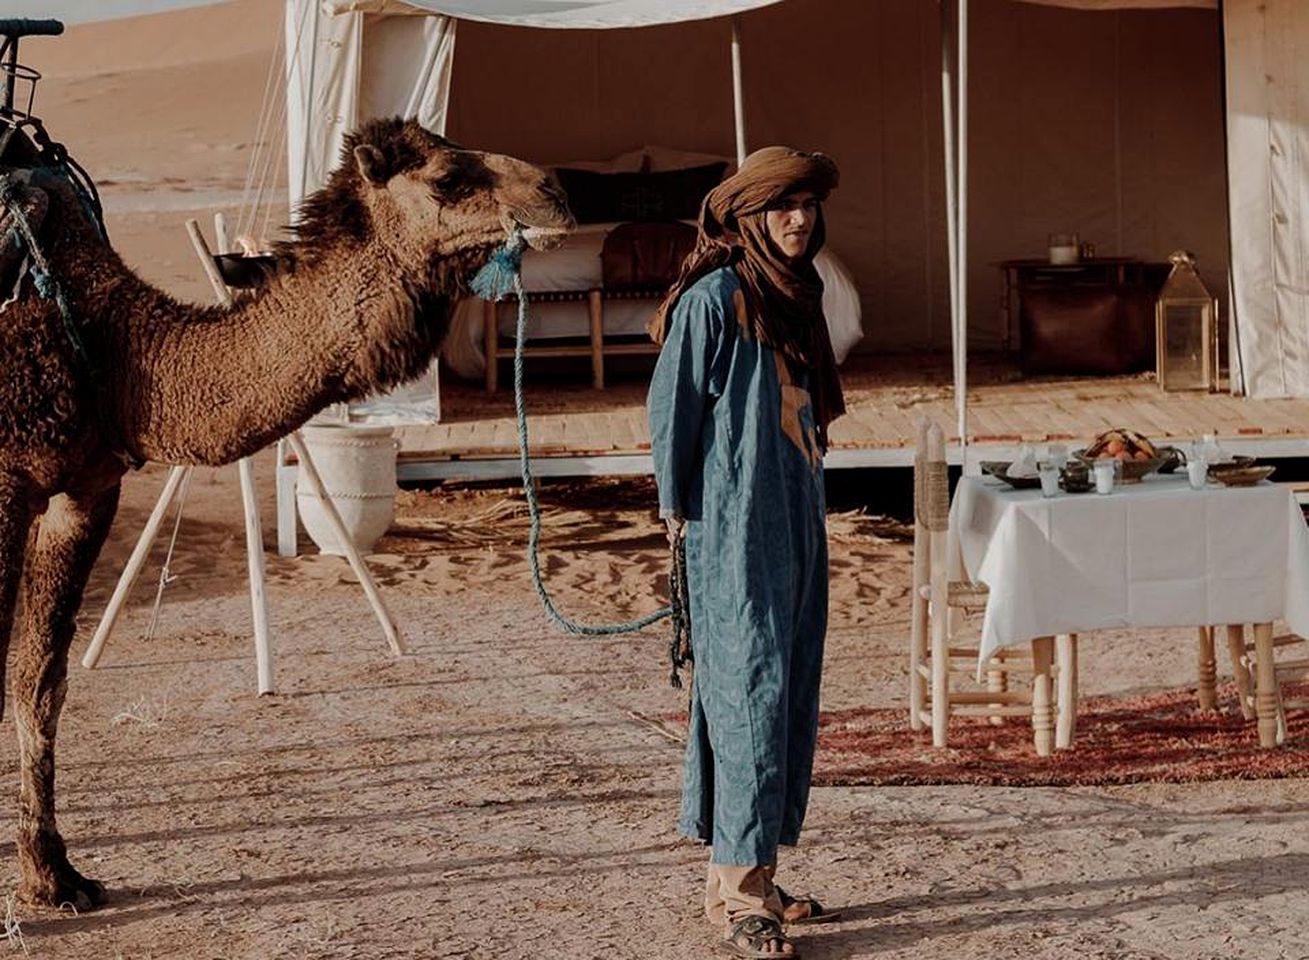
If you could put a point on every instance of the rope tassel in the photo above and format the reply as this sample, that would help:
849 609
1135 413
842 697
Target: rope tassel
500 276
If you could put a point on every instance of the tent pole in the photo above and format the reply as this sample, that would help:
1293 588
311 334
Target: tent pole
961 369
738 98
951 181
309 106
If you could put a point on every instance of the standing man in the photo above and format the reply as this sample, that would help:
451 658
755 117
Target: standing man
739 406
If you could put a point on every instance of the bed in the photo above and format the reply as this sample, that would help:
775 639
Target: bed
575 267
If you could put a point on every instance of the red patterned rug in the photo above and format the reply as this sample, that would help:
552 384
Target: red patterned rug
1160 737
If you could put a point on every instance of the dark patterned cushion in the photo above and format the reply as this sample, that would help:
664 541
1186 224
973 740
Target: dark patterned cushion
645 255
665 195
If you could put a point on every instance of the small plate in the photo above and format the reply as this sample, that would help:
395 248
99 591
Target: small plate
1234 463
1242 476
1018 483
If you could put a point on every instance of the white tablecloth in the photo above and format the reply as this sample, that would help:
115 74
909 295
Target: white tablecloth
1153 554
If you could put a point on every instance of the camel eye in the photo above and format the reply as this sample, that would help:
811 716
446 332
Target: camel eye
446 184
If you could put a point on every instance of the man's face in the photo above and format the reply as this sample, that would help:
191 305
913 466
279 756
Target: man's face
791 222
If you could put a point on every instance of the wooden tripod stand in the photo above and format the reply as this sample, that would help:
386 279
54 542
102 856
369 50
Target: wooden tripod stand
253 531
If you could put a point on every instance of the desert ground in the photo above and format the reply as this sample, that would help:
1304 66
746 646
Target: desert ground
504 790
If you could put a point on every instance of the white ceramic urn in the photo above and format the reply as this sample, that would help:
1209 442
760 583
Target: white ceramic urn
357 467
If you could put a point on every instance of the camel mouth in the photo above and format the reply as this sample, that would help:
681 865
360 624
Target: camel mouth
542 236
546 238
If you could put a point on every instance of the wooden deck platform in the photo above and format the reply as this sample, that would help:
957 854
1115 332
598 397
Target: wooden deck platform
577 431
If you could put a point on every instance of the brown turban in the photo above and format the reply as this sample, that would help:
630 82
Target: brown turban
783 297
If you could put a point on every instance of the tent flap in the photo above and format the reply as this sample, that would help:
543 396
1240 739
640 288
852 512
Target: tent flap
1268 156
573 14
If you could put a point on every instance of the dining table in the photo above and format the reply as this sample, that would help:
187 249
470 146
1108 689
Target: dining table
1156 553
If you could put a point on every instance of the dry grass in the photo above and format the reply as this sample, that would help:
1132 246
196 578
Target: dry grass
12 930
147 713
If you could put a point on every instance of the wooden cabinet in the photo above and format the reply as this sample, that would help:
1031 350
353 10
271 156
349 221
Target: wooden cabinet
1090 317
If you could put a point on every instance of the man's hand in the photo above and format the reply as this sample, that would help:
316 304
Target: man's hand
676 528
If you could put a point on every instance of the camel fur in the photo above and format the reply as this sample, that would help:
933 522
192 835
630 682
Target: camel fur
360 302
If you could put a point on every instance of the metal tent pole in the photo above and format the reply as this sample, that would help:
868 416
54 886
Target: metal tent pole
961 279
738 97
951 181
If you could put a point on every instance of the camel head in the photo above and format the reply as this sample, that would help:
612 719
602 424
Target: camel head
431 204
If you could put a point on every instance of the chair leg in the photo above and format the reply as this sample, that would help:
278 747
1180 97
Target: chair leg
1242 668
918 632
1042 709
595 301
1066 719
940 677
997 681
1206 684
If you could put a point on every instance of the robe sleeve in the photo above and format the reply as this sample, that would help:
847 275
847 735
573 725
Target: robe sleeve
682 390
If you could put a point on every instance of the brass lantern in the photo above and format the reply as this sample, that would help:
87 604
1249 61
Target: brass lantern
1186 329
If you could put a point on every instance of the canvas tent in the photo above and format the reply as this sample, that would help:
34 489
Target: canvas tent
1101 116
1109 123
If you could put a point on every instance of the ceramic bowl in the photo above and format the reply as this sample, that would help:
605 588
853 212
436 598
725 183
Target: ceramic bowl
1133 470
1246 476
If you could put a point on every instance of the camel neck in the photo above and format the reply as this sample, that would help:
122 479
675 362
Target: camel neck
211 385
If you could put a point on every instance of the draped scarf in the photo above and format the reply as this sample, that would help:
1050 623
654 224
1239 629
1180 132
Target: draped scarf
783 296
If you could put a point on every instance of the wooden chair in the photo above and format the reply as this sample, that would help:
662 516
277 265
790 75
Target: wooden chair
1243 668
939 606
1246 666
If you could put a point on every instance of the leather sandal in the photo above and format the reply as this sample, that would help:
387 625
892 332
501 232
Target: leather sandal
799 911
751 936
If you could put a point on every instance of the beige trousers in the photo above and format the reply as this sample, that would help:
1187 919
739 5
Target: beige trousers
734 893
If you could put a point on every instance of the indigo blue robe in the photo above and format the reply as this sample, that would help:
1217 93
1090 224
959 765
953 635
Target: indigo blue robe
735 453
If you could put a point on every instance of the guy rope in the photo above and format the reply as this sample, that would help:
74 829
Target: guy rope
501 276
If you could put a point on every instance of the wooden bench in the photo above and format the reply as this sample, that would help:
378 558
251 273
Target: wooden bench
595 347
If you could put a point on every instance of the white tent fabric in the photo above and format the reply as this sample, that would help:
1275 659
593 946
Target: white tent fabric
344 68
1268 155
573 14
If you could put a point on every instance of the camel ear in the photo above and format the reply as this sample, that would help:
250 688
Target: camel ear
371 163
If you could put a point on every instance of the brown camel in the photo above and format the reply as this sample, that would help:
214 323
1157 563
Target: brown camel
359 302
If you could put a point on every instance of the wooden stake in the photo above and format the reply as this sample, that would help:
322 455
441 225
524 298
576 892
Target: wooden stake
254 554
357 564
133 568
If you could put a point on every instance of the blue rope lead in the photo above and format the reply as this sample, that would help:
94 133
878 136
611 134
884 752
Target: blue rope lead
503 275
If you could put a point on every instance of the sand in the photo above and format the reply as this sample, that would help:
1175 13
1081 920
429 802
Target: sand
499 792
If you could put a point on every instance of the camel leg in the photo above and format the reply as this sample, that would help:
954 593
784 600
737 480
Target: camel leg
60 556
15 518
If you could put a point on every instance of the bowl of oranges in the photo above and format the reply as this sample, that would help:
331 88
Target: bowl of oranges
1139 457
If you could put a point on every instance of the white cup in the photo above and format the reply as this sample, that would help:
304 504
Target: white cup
1197 472
1049 474
1104 475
